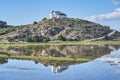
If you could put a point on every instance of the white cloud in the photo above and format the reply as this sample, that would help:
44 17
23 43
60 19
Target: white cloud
115 15
115 2
118 9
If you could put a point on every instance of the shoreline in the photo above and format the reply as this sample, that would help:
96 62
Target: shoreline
44 58
60 43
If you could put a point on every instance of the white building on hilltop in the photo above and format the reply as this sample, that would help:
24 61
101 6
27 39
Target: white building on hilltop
57 14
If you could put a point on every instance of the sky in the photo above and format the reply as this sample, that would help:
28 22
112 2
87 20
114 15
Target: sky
21 12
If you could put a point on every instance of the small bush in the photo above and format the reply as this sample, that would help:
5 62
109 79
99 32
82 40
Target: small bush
60 37
45 39
10 39
35 39
35 22
44 19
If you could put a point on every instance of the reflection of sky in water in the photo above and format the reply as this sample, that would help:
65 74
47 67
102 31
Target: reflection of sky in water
113 58
116 53
94 70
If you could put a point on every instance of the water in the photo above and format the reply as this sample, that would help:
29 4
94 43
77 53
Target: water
104 67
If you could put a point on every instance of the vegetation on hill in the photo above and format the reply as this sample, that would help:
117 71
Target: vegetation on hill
64 29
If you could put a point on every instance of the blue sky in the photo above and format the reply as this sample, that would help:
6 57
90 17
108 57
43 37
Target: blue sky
18 12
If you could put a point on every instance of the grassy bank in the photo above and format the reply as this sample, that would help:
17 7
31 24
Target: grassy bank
2 44
44 58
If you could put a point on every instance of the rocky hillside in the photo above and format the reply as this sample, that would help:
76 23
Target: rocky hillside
71 29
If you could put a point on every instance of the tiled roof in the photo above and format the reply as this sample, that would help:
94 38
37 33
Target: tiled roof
59 13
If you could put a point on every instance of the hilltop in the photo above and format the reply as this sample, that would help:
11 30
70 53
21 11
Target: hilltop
65 29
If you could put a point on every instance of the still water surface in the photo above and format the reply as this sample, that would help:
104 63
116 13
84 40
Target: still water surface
104 67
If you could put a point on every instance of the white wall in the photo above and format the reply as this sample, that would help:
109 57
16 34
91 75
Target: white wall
52 15
61 16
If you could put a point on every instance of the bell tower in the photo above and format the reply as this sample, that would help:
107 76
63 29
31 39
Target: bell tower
52 14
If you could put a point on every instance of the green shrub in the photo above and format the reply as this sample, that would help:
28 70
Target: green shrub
45 39
44 19
10 39
3 24
34 39
60 37
6 30
35 22
28 39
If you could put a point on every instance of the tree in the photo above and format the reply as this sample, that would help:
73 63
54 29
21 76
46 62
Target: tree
35 22
3 24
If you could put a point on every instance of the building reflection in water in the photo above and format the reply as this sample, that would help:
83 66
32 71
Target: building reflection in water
59 69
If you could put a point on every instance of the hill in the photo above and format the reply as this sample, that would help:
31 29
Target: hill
70 29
